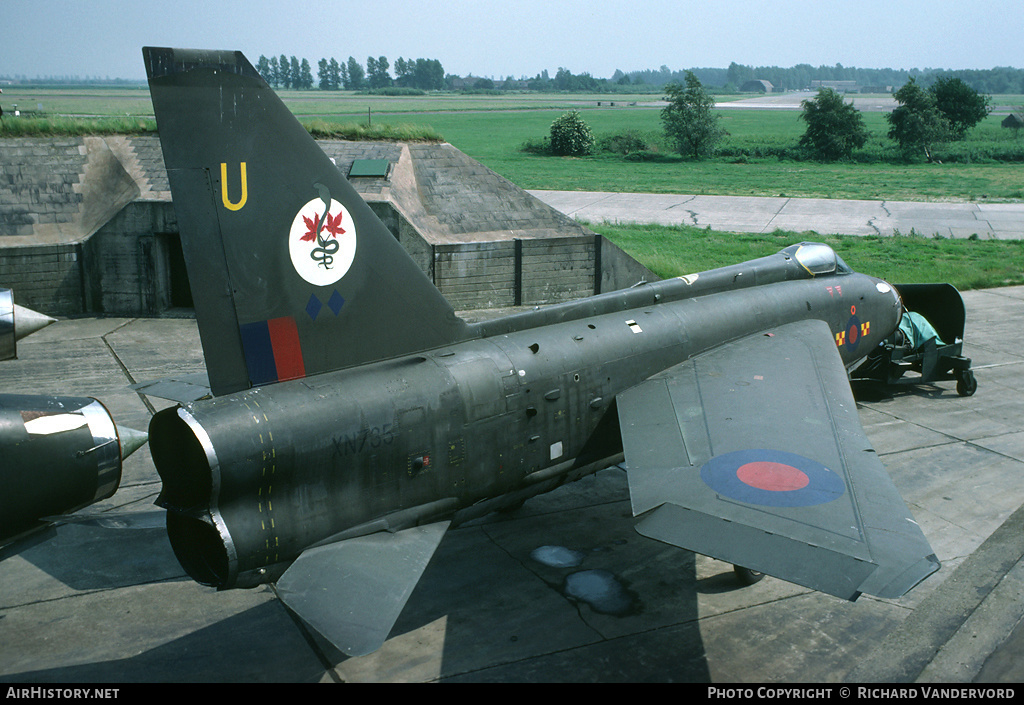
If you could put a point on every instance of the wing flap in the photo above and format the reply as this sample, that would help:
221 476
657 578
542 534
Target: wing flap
353 591
753 453
816 567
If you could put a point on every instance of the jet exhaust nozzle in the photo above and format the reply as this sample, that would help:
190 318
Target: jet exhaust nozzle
250 482
182 454
60 454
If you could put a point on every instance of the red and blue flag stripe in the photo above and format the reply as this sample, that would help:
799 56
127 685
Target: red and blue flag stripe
273 352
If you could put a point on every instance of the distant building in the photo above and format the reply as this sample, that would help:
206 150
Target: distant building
758 86
1013 121
838 86
514 85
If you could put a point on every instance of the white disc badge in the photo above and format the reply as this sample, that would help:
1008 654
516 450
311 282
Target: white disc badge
322 246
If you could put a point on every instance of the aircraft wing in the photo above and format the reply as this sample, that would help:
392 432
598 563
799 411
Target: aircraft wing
352 591
753 453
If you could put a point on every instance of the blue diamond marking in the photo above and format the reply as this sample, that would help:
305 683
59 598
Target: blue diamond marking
314 306
336 302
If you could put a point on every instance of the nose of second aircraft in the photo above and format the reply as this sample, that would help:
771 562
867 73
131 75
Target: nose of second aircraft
886 289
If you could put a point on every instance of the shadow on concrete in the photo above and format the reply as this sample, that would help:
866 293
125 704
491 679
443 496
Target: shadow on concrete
491 608
239 649
84 556
867 390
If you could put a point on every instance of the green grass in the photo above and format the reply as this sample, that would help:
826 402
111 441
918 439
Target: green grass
346 104
103 102
497 141
493 129
61 126
119 101
671 251
391 132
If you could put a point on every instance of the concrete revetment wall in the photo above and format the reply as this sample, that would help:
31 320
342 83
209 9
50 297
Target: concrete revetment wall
87 226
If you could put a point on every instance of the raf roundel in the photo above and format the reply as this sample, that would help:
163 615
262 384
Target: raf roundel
772 478
853 333
322 245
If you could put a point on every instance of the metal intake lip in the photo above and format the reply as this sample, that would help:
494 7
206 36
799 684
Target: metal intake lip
106 447
189 468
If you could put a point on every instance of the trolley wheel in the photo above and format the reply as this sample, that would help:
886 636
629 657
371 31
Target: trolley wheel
966 384
746 575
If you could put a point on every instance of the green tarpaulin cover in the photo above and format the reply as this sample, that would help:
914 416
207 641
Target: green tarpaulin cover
918 330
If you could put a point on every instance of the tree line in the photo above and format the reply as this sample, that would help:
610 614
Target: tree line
428 74
1002 79
351 75
423 74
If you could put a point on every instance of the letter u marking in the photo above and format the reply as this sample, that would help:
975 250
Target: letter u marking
224 188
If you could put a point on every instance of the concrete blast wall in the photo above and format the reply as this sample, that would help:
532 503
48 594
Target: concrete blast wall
87 226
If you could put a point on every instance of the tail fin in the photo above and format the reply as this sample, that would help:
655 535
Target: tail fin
292 274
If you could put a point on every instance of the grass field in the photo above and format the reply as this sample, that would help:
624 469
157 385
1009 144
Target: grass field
493 129
109 102
672 251
496 140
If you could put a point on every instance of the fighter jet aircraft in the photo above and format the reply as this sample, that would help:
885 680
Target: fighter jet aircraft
59 454
354 417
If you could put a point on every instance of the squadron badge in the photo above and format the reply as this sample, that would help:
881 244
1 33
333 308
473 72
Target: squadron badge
322 244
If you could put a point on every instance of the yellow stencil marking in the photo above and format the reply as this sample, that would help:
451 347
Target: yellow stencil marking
224 188
268 456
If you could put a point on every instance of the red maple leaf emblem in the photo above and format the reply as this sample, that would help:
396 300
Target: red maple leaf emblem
333 225
311 223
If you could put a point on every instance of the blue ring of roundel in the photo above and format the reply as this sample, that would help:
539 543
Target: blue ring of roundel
720 474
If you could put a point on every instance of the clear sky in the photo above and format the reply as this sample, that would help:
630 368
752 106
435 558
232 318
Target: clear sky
517 37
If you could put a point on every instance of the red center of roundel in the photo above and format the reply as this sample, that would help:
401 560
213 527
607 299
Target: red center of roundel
774 477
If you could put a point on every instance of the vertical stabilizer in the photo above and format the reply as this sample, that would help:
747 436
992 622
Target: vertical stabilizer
292 274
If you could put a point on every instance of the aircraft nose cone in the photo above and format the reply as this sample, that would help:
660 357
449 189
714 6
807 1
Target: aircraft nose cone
131 440
887 289
27 321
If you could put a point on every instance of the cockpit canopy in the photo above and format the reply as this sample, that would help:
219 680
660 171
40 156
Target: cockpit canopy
817 259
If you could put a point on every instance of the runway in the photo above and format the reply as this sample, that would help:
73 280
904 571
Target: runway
751 214
106 601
